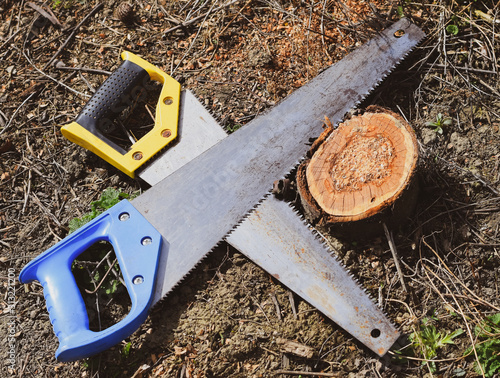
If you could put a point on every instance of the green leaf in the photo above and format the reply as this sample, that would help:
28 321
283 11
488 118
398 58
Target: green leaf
126 349
428 340
401 12
459 372
493 368
76 223
448 339
440 121
112 289
432 366
452 29
108 198
490 325
495 319
488 349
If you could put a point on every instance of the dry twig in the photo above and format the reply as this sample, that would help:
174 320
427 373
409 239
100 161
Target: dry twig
48 14
395 256
307 373
96 9
195 19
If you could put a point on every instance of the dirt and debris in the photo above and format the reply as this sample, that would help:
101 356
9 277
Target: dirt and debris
240 58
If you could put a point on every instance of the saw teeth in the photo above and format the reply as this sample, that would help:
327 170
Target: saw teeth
333 255
316 233
247 214
182 280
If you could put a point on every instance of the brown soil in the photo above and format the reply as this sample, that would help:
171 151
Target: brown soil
228 317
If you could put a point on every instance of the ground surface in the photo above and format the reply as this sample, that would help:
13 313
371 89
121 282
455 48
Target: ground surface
241 59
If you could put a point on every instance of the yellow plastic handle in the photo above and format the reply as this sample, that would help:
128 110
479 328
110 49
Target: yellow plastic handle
111 98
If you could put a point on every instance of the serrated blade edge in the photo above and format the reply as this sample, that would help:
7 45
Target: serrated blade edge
288 250
197 205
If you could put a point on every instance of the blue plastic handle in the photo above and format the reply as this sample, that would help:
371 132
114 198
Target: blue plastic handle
137 247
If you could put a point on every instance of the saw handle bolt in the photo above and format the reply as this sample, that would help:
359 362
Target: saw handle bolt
168 100
166 133
146 241
137 155
124 217
138 280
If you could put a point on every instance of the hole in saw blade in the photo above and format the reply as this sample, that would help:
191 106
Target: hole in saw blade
375 333
137 118
399 33
101 285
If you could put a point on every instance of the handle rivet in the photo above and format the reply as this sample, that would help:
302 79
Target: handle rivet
166 133
137 155
146 241
138 280
168 100
124 217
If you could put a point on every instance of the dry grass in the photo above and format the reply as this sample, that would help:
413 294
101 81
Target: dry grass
240 58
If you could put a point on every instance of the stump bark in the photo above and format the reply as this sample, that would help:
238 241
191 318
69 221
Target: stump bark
361 174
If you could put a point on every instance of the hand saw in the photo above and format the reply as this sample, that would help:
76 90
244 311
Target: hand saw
200 195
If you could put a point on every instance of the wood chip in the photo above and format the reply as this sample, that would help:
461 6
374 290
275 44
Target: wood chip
294 347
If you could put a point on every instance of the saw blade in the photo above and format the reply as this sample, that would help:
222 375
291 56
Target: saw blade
197 132
279 240
196 206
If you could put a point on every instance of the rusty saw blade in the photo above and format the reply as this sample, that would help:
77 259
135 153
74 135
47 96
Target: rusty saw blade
222 193
280 241
198 205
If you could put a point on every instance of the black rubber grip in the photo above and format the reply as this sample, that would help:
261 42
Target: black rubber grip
113 96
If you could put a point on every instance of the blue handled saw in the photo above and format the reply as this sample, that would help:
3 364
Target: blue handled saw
208 187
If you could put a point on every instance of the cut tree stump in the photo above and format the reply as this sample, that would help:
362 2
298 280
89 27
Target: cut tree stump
361 174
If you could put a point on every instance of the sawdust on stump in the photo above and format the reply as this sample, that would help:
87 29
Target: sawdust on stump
361 174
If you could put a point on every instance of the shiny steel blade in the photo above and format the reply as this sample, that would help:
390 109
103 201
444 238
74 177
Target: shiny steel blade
280 242
197 205
197 130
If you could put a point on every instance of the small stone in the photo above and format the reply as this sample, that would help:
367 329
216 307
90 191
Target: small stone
460 142
11 70
239 259
114 180
428 136
259 58
483 129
